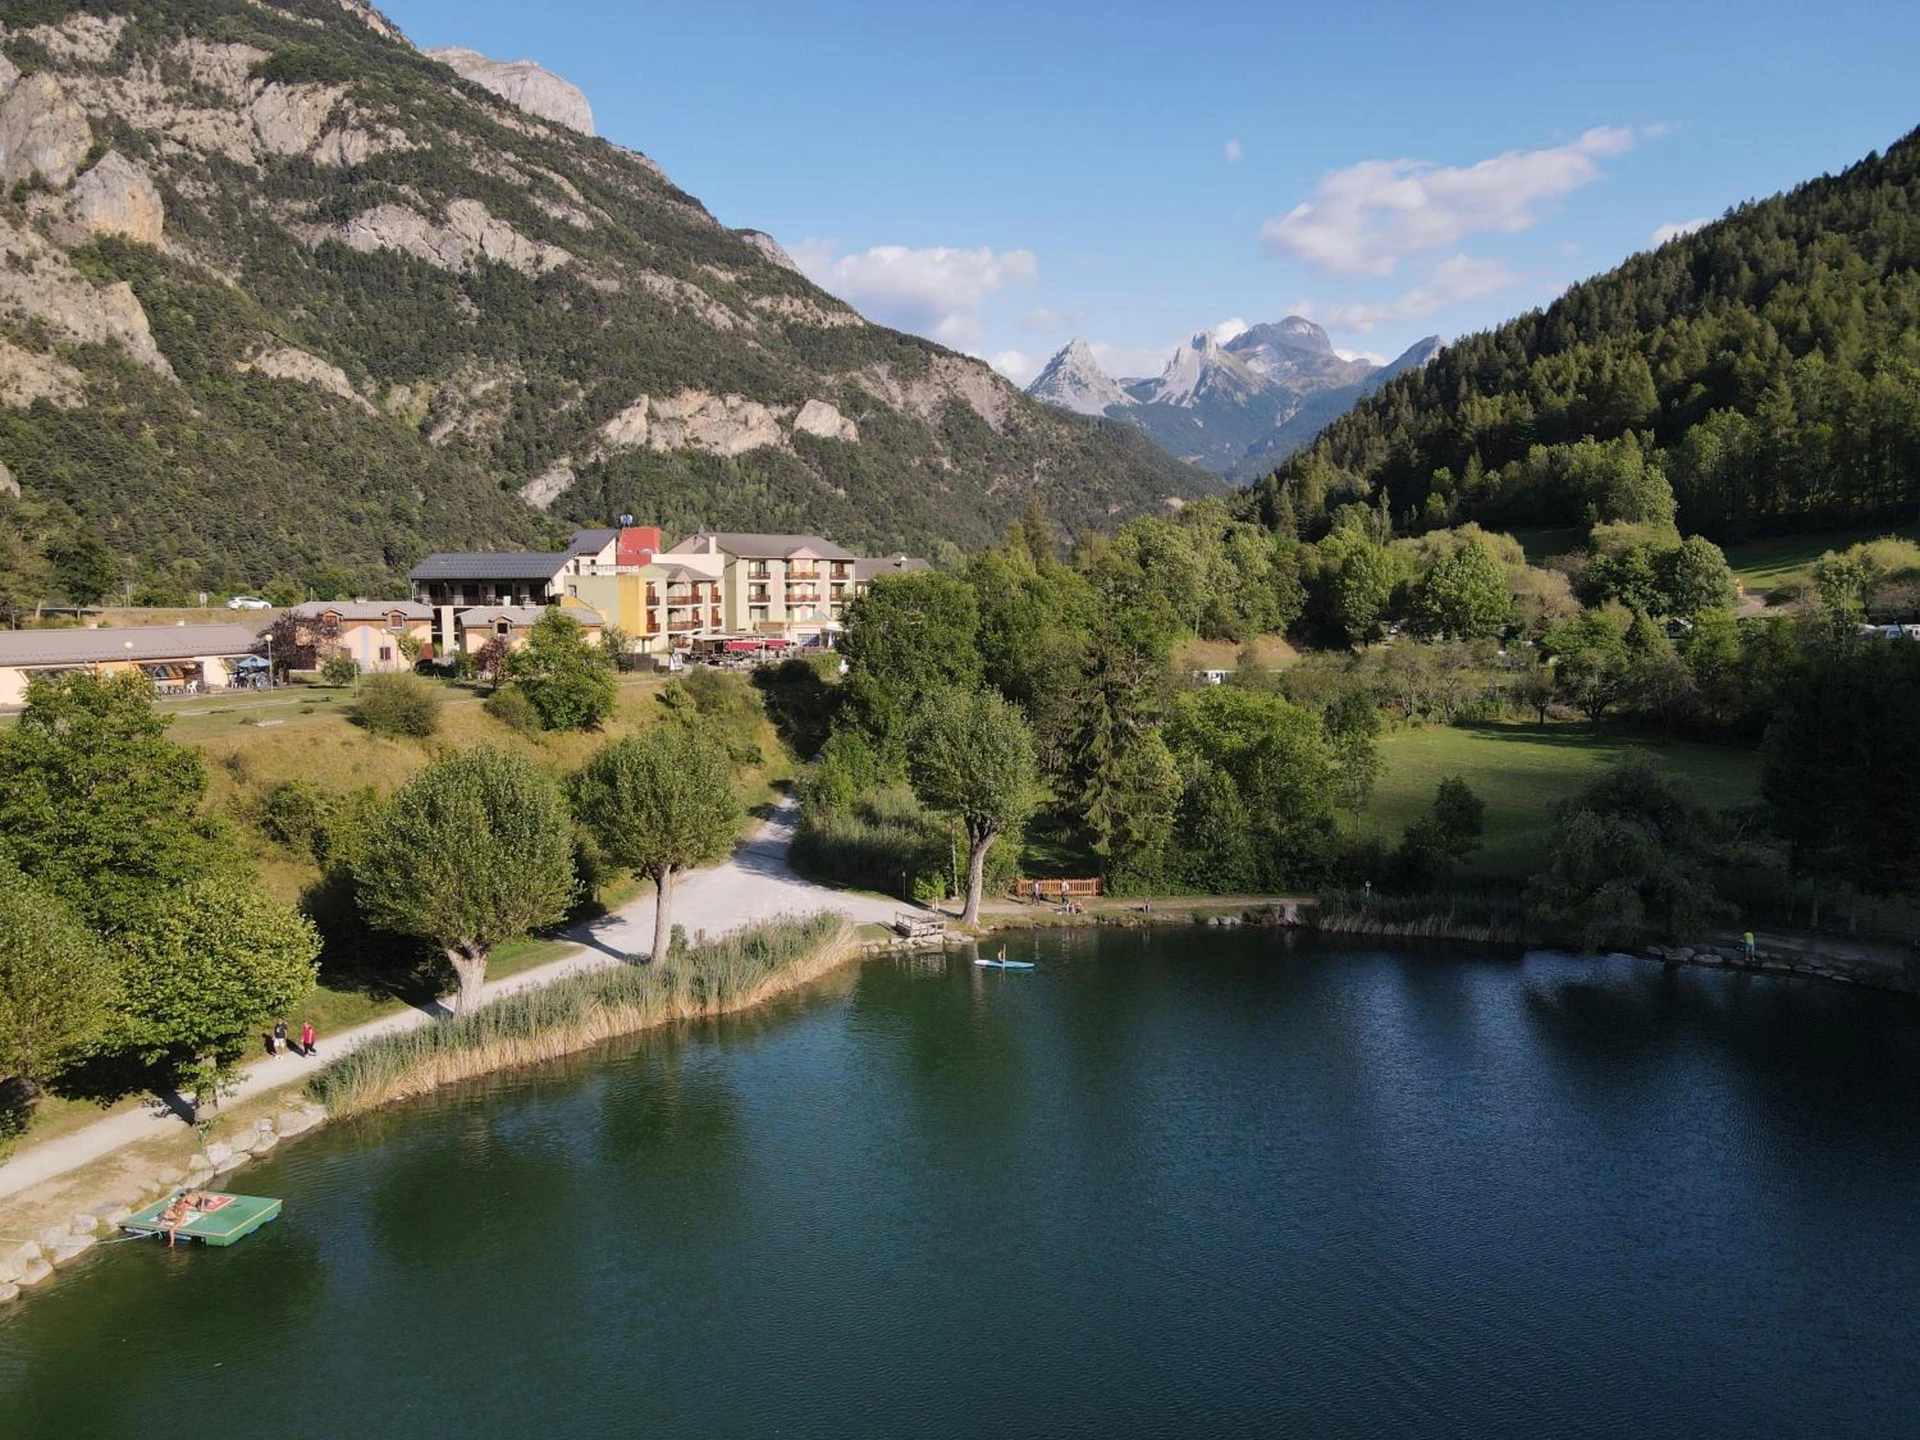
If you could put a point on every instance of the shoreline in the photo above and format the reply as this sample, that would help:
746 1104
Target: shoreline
25 1264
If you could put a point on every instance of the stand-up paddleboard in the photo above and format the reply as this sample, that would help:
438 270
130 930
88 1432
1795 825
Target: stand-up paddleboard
1000 962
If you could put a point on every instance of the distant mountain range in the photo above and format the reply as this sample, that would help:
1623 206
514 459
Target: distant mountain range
1236 407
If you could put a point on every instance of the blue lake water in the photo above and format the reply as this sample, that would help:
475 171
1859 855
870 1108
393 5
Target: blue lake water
1168 1183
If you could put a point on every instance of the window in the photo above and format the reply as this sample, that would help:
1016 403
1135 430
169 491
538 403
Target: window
396 621
386 652
502 627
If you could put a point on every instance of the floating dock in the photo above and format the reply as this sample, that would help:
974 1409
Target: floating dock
220 1220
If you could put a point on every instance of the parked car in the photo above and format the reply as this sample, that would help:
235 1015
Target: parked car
249 602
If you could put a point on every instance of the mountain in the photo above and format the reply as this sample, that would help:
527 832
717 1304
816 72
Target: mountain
1226 406
1317 412
1764 370
286 298
1073 380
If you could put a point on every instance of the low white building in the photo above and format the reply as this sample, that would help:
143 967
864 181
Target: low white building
179 659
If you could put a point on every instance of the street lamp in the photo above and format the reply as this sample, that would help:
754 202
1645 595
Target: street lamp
269 659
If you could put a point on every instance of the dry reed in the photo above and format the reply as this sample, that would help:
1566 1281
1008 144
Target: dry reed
734 973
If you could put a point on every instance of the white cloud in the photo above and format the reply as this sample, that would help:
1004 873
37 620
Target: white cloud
1674 229
1367 218
1017 365
1461 278
1372 357
1234 150
1227 329
938 292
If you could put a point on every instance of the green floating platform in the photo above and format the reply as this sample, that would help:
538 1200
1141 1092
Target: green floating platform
221 1221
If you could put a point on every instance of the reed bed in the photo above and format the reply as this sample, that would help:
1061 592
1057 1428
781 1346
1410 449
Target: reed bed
1494 916
733 973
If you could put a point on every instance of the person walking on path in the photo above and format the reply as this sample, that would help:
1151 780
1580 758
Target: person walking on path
279 1039
306 1039
1747 940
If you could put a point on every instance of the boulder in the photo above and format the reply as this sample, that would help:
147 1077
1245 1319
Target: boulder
117 1217
295 1122
85 1224
54 1236
550 484
115 197
219 1155
74 1248
264 1142
34 1272
8 1292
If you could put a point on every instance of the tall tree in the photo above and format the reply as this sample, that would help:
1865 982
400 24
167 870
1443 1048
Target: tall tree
907 637
97 804
1352 725
55 980
570 681
1465 596
971 757
660 803
205 974
474 850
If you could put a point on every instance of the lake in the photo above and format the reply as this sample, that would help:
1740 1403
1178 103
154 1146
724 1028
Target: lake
1168 1183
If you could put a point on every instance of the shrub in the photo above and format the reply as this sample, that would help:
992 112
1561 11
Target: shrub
340 670
871 845
511 707
398 705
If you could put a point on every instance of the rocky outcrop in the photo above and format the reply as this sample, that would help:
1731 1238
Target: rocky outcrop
288 362
694 420
769 247
549 485
947 378
8 485
115 197
43 130
470 234
816 417
802 311
88 39
38 283
289 119
26 377
686 296
536 90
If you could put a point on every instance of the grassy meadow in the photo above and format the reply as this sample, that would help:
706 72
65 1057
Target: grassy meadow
1777 560
1523 771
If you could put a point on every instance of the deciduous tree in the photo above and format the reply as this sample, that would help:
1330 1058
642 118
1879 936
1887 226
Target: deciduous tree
55 980
205 973
659 803
570 681
474 850
971 757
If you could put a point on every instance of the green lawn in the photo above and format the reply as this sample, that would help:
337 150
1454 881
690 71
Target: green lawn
1523 771
1763 564
1541 545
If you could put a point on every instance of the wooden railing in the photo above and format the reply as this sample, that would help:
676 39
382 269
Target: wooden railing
1029 889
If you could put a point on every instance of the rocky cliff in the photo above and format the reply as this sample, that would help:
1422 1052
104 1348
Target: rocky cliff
283 296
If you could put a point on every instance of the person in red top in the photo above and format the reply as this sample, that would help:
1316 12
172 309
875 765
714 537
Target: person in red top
306 1038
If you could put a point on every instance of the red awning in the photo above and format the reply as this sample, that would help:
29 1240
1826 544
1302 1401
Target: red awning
746 644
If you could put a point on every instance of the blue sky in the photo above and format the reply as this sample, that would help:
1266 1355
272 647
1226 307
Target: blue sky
1006 176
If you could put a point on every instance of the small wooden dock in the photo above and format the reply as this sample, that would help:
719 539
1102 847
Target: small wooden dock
221 1219
918 927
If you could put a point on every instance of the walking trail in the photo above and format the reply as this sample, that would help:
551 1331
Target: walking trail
756 884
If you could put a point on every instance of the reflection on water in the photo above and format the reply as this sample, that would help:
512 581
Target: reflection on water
1165 1183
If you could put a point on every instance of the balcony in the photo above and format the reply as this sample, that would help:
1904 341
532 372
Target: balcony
797 572
682 627
758 595
808 596
759 572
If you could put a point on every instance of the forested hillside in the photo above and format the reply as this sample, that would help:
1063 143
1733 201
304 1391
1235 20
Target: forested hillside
1768 366
284 298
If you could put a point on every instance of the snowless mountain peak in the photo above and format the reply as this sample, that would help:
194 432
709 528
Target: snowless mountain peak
1074 380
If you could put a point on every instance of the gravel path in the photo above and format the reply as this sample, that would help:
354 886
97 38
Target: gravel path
756 884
